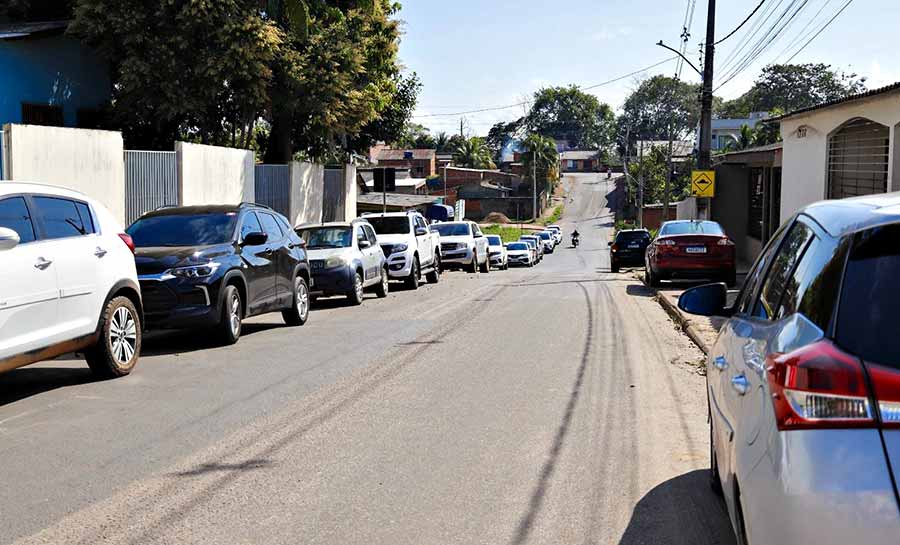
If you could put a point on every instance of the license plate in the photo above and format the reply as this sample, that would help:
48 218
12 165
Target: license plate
634 246
696 249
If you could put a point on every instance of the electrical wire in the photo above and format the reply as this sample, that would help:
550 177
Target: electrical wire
744 22
803 34
820 31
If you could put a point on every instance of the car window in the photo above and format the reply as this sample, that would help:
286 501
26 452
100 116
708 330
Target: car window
14 215
866 320
691 228
361 234
494 240
60 218
250 225
451 229
319 238
626 237
390 225
84 211
370 233
745 298
776 283
420 223
813 287
270 226
476 230
176 229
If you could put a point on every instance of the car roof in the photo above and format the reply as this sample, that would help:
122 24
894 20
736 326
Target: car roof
9 188
635 230
845 216
194 210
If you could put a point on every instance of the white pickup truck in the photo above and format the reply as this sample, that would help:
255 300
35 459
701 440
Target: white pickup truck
411 249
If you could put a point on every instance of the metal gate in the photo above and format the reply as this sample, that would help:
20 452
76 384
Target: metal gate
858 159
333 195
151 181
273 187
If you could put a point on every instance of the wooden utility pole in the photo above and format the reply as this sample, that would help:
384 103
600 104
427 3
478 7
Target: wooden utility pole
704 161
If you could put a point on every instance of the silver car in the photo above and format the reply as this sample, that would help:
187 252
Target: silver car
804 380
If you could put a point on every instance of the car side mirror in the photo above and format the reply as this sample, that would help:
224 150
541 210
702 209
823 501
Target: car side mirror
363 244
706 300
610 243
9 239
421 231
256 238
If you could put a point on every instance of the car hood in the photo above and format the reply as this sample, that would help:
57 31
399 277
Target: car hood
393 239
325 253
513 253
154 260
462 239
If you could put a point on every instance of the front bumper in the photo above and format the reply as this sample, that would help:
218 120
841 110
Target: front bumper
179 303
519 260
336 281
457 257
400 264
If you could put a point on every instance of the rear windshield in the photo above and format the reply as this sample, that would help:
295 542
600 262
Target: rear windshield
867 316
517 246
452 229
494 240
392 225
183 230
638 236
319 238
691 228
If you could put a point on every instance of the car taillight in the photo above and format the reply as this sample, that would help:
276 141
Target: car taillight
819 386
725 242
886 383
614 248
126 238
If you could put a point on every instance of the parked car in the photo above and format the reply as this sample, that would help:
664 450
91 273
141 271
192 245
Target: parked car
534 246
520 254
548 240
497 252
539 245
345 259
804 380
690 249
627 249
69 281
557 233
412 249
214 266
463 244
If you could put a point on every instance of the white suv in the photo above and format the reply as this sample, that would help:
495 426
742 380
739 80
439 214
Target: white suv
68 281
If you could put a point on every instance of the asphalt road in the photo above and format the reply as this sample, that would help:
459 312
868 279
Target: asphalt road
549 405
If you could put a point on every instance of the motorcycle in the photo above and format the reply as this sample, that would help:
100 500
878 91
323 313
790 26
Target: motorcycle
574 241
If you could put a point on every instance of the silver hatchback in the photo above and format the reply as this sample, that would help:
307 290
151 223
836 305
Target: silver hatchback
804 380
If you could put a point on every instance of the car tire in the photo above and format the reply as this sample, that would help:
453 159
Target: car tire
232 316
473 267
119 347
415 275
614 268
357 293
434 276
298 313
383 287
486 267
651 279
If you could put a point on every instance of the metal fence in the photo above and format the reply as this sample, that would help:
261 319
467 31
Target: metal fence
151 181
333 195
273 187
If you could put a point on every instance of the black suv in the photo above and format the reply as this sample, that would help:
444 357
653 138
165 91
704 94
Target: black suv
628 248
216 265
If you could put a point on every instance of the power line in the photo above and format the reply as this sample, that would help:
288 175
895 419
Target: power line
749 36
744 22
802 35
820 31
516 105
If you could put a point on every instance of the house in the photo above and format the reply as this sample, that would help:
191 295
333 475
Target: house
50 78
393 202
682 150
728 131
579 161
843 148
421 162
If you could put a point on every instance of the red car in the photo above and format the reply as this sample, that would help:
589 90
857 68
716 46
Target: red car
691 249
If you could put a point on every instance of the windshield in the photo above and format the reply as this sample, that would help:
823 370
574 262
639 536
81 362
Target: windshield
545 236
691 228
318 238
517 246
494 240
183 230
531 243
390 225
452 229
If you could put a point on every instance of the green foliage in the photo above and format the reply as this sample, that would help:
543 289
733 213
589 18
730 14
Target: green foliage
392 121
658 103
554 216
415 136
472 153
499 134
568 113
506 234
790 87
654 169
544 149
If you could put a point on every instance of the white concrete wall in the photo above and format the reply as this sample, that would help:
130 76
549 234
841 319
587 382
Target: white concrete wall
307 193
686 209
88 161
214 175
804 175
350 193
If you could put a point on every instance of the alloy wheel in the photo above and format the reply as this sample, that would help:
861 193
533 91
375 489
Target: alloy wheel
123 336
302 298
358 287
234 315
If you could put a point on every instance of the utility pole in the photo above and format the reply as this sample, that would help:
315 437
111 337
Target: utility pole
461 127
534 211
706 99
641 186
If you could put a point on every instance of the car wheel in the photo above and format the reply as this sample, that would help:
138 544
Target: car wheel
473 267
435 275
614 268
415 275
357 294
384 286
650 278
231 320
298 313
119 346
715 482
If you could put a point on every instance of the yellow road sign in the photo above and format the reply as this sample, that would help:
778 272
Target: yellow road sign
703 183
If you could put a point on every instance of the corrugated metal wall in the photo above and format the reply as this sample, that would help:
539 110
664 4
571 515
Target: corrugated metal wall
151 181
273 187
333 202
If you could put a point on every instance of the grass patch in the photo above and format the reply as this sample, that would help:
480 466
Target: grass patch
554 217
506 233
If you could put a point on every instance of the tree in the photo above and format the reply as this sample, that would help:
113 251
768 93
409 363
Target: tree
542 159
182 69
654 167
500 134
472 153
790 87
36 10
658 103
391 122
568 113
442 142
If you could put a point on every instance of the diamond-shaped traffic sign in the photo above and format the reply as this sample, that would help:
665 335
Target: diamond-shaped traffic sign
703 183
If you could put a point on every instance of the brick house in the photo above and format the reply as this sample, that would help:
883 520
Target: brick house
422 163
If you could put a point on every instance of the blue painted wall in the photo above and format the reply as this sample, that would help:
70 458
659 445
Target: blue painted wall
55 70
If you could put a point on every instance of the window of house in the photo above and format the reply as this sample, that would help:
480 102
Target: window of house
42 114
858 159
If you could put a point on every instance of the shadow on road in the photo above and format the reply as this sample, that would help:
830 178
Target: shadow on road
639 290
166 343
30 381
680 511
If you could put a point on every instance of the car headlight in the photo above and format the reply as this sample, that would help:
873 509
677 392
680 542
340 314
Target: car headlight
195 271
399 248
334 261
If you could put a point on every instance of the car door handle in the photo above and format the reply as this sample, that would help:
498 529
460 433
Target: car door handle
720 363
740 384
100 252
42 264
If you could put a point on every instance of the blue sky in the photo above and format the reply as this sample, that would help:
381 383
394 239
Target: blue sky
473 54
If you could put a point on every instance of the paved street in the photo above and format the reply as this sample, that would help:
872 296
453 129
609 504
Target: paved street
550 405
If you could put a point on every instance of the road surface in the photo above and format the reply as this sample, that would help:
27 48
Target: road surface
549 405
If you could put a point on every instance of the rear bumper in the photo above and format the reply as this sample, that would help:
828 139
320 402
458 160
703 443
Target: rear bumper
627 259
689 267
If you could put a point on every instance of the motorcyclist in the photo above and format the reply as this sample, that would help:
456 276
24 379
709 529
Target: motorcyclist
575 235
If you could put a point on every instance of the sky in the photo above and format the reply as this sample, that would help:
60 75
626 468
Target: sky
474 54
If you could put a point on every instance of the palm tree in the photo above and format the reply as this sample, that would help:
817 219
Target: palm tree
543 149
472 153
441 142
